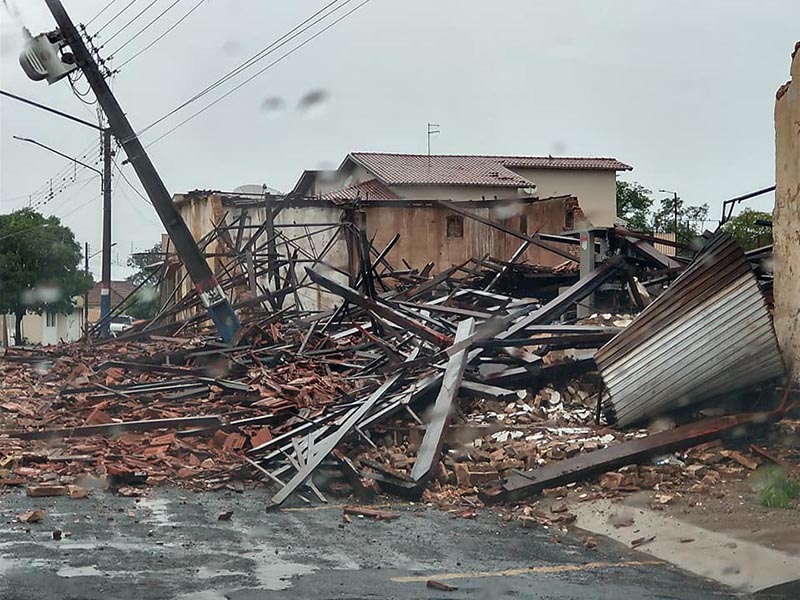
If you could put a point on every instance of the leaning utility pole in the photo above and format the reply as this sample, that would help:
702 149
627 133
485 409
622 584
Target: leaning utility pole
211 294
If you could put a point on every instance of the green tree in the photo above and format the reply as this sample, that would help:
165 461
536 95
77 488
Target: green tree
40 266
634 204
144 304
690 219
745 228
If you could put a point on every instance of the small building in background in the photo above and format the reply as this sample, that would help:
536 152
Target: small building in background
47 328
119 291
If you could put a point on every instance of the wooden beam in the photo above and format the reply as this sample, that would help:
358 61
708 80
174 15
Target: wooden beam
517 234
379 309
327 445
430 449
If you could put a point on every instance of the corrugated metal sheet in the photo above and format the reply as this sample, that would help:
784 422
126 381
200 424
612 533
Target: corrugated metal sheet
709 334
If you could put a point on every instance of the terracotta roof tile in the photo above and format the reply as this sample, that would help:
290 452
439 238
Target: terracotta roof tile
460 169
368 190
119 291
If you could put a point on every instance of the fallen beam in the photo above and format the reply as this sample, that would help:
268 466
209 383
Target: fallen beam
329 443
381 310
517 234
115 428
525 483
430 449
506 327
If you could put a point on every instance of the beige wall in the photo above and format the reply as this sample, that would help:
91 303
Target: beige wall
786 217
310 297
68 328
200 213
596 190
453 192
423 234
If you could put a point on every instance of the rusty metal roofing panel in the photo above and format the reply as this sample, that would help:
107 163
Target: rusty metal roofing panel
709 334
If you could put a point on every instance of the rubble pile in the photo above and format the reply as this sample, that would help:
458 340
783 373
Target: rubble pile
438 388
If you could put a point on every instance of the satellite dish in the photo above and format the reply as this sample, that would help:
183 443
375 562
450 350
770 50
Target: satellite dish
256 190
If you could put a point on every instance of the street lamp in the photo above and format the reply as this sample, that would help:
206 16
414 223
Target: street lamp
675 206
105 174
54 151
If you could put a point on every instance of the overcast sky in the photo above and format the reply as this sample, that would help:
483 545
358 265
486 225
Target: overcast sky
682 90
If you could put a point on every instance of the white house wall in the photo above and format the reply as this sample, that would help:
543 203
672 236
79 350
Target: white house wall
596 190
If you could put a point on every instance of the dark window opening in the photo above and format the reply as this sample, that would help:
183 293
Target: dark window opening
523 224
455 226
569 220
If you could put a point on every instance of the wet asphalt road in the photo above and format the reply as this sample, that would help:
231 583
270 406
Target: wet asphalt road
170 545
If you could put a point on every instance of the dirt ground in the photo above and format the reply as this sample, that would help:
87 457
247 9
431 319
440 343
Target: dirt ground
733 508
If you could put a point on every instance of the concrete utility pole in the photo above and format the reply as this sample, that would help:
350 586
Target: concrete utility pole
105 174
675 208
209 290
105 286
86 294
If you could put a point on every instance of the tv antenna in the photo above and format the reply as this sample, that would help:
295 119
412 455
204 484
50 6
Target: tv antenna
433 129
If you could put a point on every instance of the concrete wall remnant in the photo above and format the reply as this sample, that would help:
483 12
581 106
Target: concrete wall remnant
786 217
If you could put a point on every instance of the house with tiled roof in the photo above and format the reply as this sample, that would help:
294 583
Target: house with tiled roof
399 194
406 202
377 176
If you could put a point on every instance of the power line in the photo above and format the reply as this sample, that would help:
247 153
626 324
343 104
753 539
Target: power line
160 37
269 66
47 187
102 10
128 24
20 232
284 39
134 206
48 191
76 195
79 207
126 7
52 196
145 28
130 185
80 95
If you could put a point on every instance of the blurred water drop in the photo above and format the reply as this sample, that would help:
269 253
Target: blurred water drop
328 176
312 104
231 47
147 293
507 210
273 106
697 243
42 367
10 41
41 294
558 148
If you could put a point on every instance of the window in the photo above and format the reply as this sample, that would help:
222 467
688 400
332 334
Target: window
569 220
455 226
523 223
50 319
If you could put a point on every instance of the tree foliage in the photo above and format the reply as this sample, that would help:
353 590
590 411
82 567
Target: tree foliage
634 204
745 228
144 304
40 266
690 219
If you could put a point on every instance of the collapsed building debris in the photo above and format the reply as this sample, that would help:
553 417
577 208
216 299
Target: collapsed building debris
414 383
708 335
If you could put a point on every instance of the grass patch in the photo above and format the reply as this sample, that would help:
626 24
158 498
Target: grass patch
777 488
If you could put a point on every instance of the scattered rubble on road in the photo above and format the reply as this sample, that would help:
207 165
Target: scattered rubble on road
451 389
